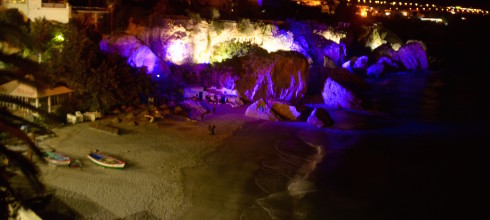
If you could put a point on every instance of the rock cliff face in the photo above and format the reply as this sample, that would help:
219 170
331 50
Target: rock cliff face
412 56
137 53
279 75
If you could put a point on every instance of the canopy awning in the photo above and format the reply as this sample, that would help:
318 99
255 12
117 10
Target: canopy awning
16 88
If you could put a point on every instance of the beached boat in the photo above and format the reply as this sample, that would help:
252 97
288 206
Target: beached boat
105 161
56 158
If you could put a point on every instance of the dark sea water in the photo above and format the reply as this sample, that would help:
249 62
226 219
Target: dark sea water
418 152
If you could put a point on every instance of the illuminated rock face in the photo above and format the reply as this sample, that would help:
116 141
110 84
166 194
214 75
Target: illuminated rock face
260 110
336 96
374 70
320 118
138 54
281 76
321 47
412 56
285 111
361 63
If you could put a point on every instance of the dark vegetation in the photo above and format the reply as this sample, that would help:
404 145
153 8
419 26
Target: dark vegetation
15 67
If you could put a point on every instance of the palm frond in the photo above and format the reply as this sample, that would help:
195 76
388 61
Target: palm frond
14 35
29 170
16 121
17 133
16 60
20 103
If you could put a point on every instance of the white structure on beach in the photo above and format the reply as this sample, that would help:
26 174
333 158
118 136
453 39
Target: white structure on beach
40 98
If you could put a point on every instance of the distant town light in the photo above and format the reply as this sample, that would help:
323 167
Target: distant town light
387 13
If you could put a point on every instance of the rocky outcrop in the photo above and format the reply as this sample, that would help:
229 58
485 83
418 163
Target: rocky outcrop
336 96
195 109
321 47
374 70
361 63
320 118
137 53
328 63
285 111
387 62
280 76
412 56
386 51
347 66
260 110
319 75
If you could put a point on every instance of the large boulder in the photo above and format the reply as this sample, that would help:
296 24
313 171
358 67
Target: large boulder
137 53
336 96
195 109
387 62
260 110
361 63
328 63
412 56
320 118
318 76
385 50
280 75
320 47
375 70
347 66
285 111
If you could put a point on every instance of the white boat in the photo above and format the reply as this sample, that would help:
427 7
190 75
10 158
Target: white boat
106 161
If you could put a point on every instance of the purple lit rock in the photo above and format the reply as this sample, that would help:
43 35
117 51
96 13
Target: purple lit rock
361 63
347 66
280 75
285 111
196 109
386 51
387 62
320 47
328 63
318 76
260 110
320 118
413 56
138 54
375 70
336 96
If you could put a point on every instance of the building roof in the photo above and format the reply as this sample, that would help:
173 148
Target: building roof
16 88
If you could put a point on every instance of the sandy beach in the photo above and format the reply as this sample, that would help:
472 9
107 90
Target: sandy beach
151 185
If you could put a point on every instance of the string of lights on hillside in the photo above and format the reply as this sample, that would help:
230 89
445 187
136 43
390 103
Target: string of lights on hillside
385 8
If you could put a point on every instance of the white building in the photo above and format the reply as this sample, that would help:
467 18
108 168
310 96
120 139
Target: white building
56 10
